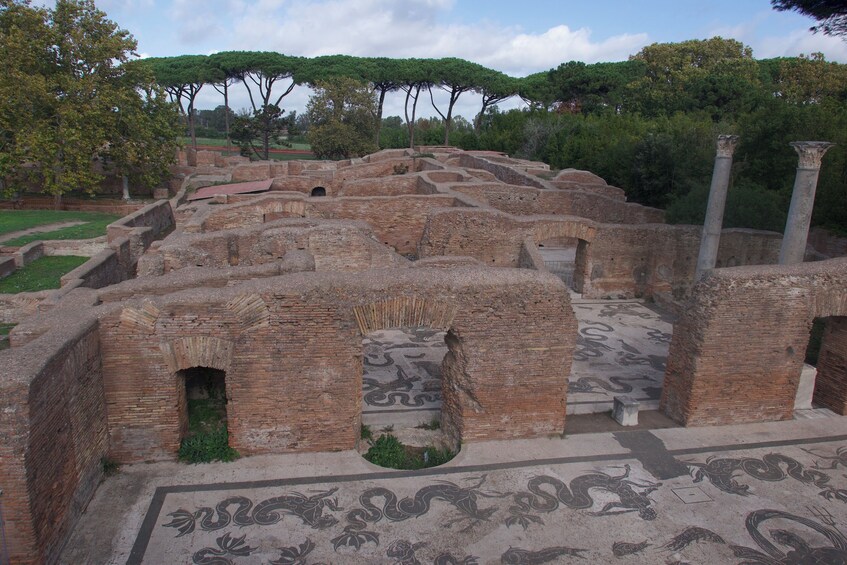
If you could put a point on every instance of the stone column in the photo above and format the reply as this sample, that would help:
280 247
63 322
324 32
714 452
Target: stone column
802 200
711 236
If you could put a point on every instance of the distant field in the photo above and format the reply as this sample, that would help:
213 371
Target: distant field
216 142
17 220
41 274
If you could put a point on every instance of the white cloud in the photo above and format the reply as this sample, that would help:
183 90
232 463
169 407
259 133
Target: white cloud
409 28
805 42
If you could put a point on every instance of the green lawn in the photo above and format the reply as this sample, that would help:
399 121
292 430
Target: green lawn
15 220
216 142
41 274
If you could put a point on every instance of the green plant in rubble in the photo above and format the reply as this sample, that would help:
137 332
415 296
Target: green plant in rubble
207 446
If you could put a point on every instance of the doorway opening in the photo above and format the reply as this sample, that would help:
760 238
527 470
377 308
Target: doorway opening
319 191
401 398
560 258
205 436
823 381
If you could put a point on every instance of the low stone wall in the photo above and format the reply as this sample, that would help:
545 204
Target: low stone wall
52 413
119 207
616 260
526 201
737 352
503 172
334 245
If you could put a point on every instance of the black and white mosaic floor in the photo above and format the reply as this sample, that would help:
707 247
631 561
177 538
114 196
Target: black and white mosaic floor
772 502
621 349
401 380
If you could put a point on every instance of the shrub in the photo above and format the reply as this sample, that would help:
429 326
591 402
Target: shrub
207 446
388 451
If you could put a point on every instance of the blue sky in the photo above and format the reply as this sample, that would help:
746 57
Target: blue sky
516 37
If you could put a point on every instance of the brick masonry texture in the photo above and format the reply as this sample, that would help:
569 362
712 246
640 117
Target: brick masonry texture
737 352
278 289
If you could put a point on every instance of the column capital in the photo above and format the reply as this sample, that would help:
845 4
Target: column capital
810 153
726 145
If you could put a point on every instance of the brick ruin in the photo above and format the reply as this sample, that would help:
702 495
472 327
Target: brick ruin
278 289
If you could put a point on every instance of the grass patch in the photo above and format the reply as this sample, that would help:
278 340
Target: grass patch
4 335
205 447
388 451
207 439
16 220
42 274
95 226
218 142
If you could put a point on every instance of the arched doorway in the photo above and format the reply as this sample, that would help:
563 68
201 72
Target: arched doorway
204 435
318 191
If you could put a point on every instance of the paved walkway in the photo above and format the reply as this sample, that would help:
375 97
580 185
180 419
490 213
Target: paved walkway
764 493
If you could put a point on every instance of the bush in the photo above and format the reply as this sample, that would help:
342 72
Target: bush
747 206
388 451
205 447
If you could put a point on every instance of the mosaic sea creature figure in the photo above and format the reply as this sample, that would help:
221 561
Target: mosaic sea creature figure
463 499
518 556
227 546
721 472
591 384
577 496
800 549
310 509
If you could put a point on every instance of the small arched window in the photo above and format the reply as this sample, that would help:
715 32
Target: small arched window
319 191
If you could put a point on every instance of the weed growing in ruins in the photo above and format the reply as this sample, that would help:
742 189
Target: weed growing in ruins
434 424
388 451
109 466
207 446
366 433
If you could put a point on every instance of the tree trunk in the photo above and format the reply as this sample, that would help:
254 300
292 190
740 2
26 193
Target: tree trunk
125 185
379 115
226 119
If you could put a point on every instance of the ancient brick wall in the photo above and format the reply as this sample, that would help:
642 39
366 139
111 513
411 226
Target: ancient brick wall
394 185
293 357
333 244
526 201
398 222
502 171
53 422
737 352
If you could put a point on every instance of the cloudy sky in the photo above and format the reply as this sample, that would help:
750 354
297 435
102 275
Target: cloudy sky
513 36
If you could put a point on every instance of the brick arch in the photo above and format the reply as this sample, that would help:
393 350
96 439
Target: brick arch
405 311
583 232
198 351
576 229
